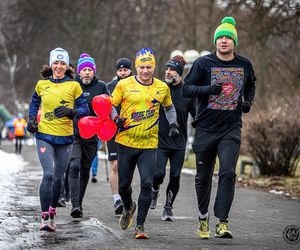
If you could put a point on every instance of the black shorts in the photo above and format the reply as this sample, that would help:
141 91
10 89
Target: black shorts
112 148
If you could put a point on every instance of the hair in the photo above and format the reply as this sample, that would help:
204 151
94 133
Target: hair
46 72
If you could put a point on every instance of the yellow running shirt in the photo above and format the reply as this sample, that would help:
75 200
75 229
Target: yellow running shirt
140 107
54 95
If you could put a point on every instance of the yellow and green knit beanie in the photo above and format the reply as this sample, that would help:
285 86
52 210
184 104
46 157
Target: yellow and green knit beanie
227 28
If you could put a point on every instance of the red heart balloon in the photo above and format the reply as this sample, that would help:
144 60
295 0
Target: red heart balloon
107 130
88 126
102 106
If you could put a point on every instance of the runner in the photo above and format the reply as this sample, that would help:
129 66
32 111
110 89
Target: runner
140 98
224 84
84 150
19 132
172 147
57 94
123 67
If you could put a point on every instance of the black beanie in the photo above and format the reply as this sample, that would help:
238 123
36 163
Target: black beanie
123 63
177 63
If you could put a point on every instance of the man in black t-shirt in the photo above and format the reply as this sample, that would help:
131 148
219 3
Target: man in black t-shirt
172 146
224 84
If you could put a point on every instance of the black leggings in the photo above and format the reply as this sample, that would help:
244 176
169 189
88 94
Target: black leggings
145 159
82 156
18 144
176 158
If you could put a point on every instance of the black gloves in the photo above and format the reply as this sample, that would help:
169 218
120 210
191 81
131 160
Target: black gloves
119 121
246 106
215 89
32 125
62 111
211 89
173 132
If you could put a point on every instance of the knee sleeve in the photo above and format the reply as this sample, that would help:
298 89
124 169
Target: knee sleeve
74 168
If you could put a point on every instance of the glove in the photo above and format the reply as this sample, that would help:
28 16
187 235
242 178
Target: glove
211 89
173 132
62 111
119 121
32 125
246 106
215 89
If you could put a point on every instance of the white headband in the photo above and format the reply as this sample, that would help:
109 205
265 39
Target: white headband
59 54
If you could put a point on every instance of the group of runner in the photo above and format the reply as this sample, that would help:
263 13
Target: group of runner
151 116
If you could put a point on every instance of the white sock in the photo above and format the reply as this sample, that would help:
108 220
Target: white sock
116 197
203 216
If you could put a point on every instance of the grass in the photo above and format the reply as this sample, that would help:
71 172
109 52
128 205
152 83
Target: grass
287 186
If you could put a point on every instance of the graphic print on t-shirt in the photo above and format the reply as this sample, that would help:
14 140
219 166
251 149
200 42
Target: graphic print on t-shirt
231 80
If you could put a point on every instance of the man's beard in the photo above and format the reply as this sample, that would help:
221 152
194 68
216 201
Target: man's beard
172 80
86 81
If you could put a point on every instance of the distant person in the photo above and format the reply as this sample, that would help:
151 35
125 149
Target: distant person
19 132
57 94
140 98
124 70
224 84
171 147
84 150
95 164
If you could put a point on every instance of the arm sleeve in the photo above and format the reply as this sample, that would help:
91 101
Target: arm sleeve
82 106
34 105
113 113
249 90
192 82
171 114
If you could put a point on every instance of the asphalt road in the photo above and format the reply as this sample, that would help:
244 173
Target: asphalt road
257 219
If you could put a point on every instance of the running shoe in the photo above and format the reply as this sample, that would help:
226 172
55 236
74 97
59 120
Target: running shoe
61 202
155 194
203 228
118 207
126 218
94 179
140 233
76 212
222 230
168 214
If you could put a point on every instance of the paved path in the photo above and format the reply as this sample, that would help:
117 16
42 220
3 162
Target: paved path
257 219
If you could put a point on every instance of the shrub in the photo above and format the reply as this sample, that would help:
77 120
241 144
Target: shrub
273 140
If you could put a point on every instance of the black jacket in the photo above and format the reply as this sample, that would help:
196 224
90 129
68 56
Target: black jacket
183 107
96 87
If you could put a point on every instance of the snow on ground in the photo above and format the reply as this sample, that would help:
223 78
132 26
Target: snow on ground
10 225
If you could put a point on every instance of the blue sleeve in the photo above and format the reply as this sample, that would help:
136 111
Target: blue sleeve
82 106
34 105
